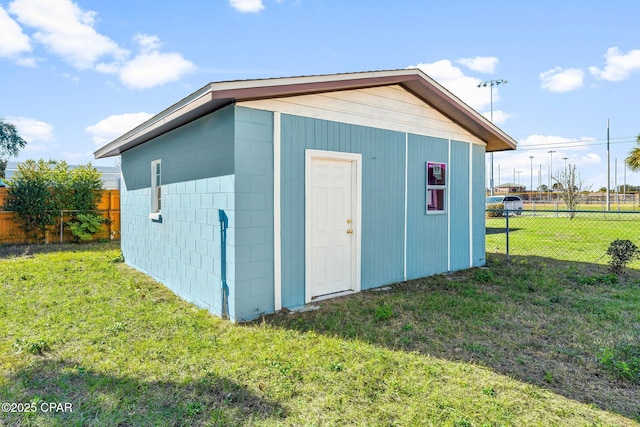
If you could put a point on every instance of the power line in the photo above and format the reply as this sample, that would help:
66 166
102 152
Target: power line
577 144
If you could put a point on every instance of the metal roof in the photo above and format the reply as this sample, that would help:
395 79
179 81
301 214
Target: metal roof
214 96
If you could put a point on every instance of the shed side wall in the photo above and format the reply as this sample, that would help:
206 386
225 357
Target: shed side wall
182 251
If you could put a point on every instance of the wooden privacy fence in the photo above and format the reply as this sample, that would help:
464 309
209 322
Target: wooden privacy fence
109 207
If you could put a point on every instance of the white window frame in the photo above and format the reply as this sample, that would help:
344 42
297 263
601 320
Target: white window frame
444 188
156 189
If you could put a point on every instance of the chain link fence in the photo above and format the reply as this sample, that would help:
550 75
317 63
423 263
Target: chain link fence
581 236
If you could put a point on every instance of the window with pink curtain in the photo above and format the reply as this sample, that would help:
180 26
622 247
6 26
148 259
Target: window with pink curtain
436 187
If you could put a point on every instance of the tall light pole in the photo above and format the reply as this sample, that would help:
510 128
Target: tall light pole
531 183
491 84
550 170
608 169
565 162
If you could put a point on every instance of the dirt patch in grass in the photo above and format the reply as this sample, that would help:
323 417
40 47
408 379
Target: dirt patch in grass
540 321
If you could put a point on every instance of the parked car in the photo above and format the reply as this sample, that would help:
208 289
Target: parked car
510 204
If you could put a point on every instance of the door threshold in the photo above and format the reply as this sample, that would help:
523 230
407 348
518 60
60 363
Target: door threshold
333 295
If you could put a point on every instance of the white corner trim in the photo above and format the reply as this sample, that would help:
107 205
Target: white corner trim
155 216
470 205
406 202
449 206
277 238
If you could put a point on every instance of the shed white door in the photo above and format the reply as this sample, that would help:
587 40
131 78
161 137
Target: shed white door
332 227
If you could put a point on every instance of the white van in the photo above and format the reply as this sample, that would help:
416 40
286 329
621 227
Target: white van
512 204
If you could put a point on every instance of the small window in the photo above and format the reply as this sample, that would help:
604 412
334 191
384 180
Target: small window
156 186
436 187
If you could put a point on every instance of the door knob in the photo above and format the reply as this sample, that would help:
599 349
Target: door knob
350 231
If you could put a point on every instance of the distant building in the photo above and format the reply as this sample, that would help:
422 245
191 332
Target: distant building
509 188
110 175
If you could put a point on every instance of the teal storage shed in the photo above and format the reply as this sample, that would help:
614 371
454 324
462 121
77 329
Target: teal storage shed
251 196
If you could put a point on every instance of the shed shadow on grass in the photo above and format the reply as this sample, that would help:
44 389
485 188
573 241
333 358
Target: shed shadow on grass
102 399
500 230
28 250
537 320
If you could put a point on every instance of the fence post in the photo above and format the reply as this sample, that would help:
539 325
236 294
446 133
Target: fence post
507 233
61 224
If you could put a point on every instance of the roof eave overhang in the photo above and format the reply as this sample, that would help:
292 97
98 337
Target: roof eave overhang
218 95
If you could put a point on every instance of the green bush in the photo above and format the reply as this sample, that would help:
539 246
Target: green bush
84 226
495 210
29 197
621 253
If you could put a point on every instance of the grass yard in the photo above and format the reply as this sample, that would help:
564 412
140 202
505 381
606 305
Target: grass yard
532 342
583 238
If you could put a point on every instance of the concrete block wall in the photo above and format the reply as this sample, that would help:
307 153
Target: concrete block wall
182 250
253 261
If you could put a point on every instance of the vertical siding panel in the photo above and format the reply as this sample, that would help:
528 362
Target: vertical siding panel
426 234
459 214
478 201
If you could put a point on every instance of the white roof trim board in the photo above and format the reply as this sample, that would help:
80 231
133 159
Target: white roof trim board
214 96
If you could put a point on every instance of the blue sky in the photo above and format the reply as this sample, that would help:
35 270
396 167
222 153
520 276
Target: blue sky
76 75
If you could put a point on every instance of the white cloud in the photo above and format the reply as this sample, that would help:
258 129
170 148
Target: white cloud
32 130
618 65
247 6
27 62
482 64
499 116
153 69
66 30
590 159
39 148
150 67
148 43
13 41
559 80
106 130
464 87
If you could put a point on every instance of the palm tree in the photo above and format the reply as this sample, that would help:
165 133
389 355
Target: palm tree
633 159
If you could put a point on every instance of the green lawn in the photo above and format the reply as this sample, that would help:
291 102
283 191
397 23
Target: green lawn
586 237
522 343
